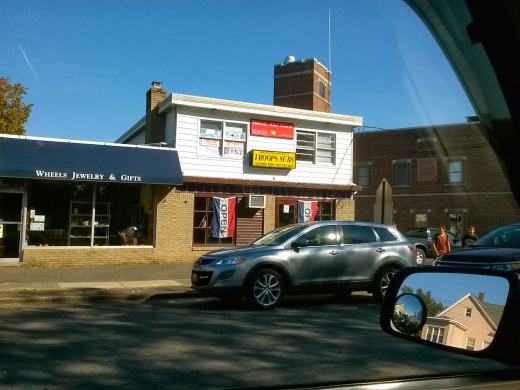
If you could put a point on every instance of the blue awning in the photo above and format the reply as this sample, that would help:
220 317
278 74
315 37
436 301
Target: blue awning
52 159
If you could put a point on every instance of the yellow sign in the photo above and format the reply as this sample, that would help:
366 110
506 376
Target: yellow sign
263 158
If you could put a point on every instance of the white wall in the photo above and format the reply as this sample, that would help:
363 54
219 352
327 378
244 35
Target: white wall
194 164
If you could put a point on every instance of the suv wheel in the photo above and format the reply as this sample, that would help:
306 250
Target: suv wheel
266 289
421 256
381 282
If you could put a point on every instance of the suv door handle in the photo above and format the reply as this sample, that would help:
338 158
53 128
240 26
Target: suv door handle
334 253
379 250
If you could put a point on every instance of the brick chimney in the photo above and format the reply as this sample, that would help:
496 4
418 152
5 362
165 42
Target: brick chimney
481 296
302 84
155 122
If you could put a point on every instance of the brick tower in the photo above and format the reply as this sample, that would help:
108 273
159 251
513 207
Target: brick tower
302 84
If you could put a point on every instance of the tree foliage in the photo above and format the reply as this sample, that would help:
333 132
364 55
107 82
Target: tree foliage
13 111
432 306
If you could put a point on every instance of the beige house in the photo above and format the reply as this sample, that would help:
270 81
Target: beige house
469 323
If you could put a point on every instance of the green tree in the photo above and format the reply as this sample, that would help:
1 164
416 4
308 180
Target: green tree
432 306
13 111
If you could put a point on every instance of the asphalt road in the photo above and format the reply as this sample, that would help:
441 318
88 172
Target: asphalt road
203 343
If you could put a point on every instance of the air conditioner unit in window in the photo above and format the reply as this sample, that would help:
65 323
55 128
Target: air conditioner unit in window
256 201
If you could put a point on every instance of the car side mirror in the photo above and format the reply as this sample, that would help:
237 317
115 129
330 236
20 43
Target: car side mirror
463 310
300 242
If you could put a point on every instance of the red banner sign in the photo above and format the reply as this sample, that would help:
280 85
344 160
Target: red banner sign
272 129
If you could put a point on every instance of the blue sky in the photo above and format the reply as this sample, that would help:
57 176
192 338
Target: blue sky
88 64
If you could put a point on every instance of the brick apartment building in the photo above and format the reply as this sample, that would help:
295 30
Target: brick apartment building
443 174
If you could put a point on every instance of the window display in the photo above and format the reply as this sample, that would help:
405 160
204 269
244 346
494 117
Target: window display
88 214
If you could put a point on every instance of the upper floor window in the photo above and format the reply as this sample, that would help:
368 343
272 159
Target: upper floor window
322 90
455 170
363 175
315 147
221 139
401 172
468 312
470 344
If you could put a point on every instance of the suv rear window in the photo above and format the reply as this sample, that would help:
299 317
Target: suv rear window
416 233
353 234
385 234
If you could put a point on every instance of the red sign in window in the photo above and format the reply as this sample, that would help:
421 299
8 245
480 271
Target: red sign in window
272 129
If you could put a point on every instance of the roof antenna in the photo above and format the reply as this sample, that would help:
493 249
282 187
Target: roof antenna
330 65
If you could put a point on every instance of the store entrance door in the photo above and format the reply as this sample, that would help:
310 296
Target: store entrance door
11 225
285 212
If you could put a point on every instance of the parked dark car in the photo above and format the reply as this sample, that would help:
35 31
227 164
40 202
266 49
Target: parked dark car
328 256
422 238
499 249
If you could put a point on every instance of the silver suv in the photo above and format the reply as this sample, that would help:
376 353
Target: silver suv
329 256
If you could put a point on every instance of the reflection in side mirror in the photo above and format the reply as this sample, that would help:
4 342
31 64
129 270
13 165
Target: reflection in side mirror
300 242
409 313
457 310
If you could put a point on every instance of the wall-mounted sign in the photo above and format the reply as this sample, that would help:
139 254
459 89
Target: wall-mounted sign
272 129
39 218
266 159
37 226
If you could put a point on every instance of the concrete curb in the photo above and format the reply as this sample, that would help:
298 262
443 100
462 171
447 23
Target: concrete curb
92 295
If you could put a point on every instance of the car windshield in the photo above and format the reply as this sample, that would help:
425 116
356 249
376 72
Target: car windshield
279 236
184 130
504 237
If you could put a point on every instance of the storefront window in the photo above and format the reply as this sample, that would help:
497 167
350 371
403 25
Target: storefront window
88 214
203 223
325 211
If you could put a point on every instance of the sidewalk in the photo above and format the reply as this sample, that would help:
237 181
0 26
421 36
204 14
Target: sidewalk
22 285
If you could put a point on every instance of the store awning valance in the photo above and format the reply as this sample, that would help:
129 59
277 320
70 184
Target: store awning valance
52 159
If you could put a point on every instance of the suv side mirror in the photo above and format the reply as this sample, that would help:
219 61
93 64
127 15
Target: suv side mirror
300 242
474 312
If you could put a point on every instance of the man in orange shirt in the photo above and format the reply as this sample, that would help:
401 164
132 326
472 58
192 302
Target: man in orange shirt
441 242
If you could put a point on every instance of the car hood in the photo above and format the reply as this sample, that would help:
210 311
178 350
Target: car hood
236 250
483 255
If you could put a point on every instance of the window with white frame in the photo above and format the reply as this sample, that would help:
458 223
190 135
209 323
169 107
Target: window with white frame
455 170
435 334
468 312
222 139
363 175
315 147
470 344
485 344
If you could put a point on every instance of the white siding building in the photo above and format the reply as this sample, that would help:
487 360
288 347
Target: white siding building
234 149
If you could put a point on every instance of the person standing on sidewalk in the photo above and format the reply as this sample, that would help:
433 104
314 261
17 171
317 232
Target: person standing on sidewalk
441 242
469 238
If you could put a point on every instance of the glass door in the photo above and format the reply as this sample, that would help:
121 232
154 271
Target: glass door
11 225
285 212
